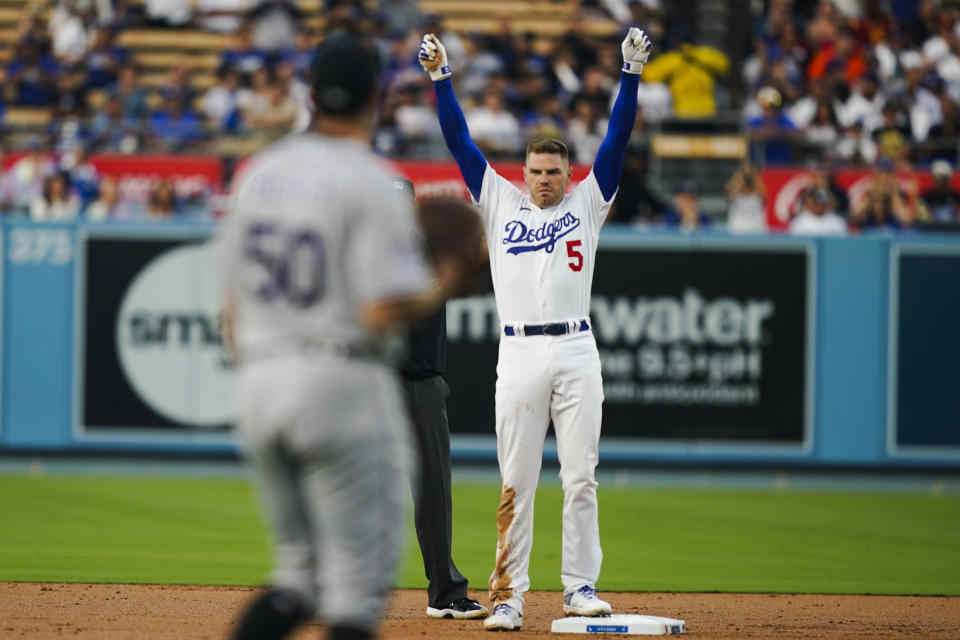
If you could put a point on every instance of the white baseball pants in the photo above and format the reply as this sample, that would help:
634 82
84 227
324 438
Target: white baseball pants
540 378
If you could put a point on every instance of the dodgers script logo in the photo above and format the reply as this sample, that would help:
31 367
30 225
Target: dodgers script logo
544 237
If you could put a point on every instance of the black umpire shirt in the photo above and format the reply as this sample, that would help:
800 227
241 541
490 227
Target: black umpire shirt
427 348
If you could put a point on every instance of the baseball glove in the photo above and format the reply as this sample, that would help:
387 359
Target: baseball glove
453 234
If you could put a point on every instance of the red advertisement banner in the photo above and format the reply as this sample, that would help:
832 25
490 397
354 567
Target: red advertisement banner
137 174
785 186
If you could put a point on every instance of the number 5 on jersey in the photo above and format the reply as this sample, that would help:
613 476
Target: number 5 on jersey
575 256
293 261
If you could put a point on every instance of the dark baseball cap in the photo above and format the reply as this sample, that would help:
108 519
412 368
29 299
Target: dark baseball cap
343 75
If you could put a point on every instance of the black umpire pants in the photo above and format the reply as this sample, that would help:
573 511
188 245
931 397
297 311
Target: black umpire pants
432 500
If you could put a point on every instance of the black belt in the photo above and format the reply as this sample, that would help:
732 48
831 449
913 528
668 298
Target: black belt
549 329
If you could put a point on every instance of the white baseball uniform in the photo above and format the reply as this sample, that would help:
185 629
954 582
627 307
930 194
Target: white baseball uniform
542 264
316 230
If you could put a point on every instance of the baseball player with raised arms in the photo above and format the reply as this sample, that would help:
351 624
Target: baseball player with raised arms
542 249
322 260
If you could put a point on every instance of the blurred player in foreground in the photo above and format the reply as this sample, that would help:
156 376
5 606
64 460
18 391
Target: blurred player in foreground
542 249
322 260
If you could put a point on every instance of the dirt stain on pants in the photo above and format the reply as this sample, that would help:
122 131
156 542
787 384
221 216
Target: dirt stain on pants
501 587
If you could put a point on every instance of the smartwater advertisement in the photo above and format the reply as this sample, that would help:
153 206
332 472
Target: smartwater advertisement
151 352
707 344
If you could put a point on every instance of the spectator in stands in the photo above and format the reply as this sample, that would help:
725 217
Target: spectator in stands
925 111
823 28
865 103
563 70
179 86
172 14
299 92
273 24
595 86
529 88
221 102
892 137
648 13
32 26
222 16
132 96
782 73
104 59
583 130
941 199
803 110
271 111
162 204
71 93
24 181
640 202
31 76
686 214
110 204
926 22
417 127
243 55
69 24
825 177
83 174
886 205
67 128
855 147
772 131
690 71
815 218
843 53
56 203
947 128
547 119
113 130
403 15
873 23
173 128
823 131
745 192
300 56
494 129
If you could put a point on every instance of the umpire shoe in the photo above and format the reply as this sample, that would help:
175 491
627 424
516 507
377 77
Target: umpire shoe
504 618
584 602
461 609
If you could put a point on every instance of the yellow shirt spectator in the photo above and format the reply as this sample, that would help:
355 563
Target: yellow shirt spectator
690 74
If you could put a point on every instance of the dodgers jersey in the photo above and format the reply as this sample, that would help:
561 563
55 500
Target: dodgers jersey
316 230
541 260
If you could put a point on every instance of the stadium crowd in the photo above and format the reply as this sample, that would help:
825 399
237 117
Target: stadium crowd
874 83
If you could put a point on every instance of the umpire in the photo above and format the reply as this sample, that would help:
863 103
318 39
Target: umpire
426 393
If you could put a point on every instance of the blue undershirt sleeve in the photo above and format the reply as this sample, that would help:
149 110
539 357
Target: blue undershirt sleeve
454 126
609 160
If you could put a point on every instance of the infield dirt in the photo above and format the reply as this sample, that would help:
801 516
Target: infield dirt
146 612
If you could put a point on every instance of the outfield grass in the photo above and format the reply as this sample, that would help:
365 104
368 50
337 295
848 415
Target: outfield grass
209 531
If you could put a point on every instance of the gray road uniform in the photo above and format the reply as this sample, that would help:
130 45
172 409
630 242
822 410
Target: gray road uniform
315 231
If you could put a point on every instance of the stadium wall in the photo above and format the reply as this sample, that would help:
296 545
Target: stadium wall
833 352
